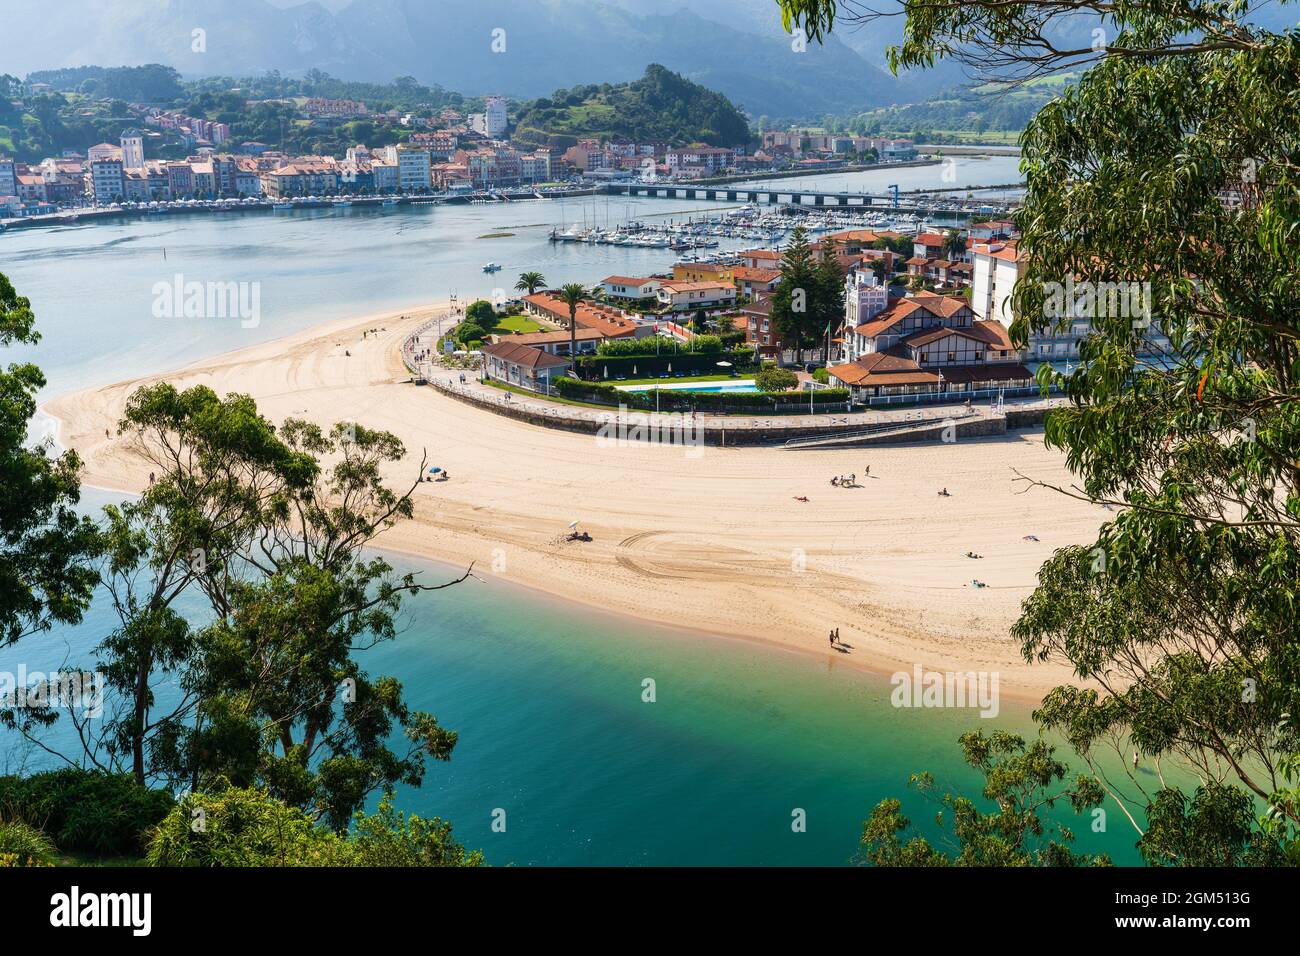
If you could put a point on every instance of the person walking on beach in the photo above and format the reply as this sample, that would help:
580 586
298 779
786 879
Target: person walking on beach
832 638
837 635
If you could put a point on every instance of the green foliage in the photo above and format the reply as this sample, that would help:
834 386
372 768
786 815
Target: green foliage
773 378
241 827
821 376
1021 782
468 332
1214 826
661 105
244 520
390 838
481 313
152 83
22 844
46 577
1184 610
530 282
249 827
809 295
86 811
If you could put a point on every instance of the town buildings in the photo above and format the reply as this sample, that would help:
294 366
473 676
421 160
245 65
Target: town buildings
690 296
521 365
921 344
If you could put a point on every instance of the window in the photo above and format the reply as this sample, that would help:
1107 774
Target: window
979 356
952 356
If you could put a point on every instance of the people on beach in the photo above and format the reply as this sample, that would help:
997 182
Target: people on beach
835 482
944 494
800 497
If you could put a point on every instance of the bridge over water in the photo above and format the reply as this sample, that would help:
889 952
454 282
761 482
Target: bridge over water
881 202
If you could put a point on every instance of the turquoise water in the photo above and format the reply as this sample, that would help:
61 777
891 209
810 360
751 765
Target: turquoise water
721 388
547 700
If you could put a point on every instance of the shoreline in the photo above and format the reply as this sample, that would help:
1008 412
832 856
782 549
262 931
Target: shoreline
718 545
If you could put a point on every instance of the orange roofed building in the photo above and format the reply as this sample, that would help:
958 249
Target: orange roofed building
611 323
922 344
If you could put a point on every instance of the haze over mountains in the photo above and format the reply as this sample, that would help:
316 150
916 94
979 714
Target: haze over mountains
734 46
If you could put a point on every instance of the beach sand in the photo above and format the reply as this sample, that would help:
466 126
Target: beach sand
713 542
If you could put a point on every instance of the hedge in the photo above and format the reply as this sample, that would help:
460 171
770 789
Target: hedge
87 810
651 366
671 400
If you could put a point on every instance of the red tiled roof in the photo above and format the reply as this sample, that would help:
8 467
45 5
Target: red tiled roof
756 275
523 355
940 306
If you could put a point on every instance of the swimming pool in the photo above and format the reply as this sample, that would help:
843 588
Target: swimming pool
740 385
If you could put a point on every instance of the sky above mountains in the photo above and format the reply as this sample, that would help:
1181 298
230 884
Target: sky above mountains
522 48
734 46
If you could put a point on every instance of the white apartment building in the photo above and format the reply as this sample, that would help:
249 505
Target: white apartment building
106 180
414 169
997 267
8 177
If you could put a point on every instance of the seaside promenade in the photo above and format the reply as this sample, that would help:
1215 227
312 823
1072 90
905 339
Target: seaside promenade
880 423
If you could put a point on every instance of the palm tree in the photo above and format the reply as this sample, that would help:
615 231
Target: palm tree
954 246
530 282
572 294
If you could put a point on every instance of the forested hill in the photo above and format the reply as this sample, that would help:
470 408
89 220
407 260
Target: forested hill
661 105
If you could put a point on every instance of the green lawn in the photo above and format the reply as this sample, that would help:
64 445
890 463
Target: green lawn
508 324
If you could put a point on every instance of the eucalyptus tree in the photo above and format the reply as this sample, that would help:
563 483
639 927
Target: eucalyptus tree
245 591
46 577
1163 205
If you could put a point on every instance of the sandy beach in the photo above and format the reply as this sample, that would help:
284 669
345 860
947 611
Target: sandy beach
714 542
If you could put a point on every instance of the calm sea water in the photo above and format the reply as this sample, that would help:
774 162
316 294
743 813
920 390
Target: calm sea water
546 697
92 286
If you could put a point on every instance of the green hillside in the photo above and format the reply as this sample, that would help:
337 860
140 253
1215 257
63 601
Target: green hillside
661 105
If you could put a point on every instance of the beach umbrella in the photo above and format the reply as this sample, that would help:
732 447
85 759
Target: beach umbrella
572 525
434 471
634 370
670 368
607 371
724 364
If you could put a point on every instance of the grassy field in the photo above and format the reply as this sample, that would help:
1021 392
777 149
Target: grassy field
509 324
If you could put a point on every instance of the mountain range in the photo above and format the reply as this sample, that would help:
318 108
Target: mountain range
736 47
